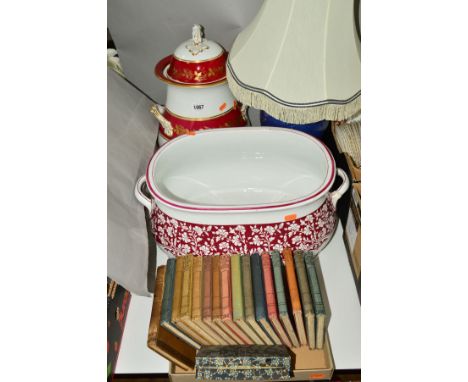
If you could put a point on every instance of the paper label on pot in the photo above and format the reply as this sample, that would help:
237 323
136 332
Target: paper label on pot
291 217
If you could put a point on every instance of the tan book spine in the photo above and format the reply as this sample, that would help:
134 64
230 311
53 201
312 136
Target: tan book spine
271 332
177 331
281 332
207 288
245 327
320 331
287 324
294 294
227 340
238 331
197 297
306 298
177 296
226 299
184 299
176 299
310 327
163 341
187 287
187 301
217 313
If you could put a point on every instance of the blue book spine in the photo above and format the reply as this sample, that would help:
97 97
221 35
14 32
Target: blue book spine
258 289
166 304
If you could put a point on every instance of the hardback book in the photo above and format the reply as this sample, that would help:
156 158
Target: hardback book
217 312
197 296
261 313
271 299
226 299
187 300
181 264
170 300
161 340
256 362
238 313
317 300
249 307
118 300
207 300
283 312
306 298
294 295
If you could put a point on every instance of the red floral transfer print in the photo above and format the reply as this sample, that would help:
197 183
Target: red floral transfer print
306 233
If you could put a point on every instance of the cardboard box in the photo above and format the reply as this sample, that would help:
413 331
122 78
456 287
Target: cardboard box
352 233
353 169
307 364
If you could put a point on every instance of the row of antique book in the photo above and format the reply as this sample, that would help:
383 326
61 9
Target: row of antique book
265 299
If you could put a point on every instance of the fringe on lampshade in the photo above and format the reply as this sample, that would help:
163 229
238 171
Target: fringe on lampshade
348 140
299 115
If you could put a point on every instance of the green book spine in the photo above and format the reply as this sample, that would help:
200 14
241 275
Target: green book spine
247 286
303 283
166 305
314 285
279 283
237 295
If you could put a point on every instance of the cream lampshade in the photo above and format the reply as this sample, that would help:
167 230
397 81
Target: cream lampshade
299 60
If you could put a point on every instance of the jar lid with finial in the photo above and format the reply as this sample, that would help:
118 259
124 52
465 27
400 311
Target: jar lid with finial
195 62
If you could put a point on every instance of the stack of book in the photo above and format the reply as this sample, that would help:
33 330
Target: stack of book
263 299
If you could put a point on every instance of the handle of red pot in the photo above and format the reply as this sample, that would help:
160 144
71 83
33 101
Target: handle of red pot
336 195
141 197
157 111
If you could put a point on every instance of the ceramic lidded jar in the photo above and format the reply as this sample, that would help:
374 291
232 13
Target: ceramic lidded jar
198 96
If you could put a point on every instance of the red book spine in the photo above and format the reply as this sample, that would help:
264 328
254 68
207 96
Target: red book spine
269 286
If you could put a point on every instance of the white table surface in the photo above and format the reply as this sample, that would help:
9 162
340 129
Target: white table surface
344 329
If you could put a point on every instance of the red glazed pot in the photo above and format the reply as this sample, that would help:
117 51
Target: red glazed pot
198 96
260 189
